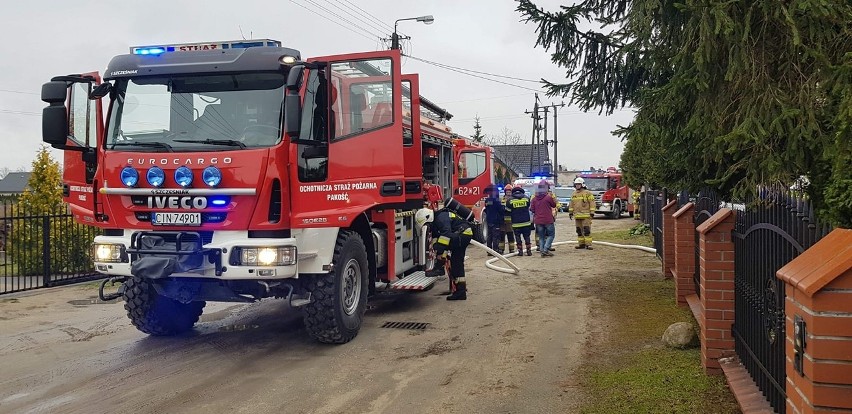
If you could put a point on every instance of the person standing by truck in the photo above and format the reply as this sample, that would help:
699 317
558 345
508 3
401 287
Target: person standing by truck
452 234
494 214
508 231
519 209
581 210
542 207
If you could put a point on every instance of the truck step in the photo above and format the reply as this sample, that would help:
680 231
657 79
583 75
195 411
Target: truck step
414 281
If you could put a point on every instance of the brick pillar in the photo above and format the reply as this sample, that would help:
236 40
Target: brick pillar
668 238
717 288
684 266
819 294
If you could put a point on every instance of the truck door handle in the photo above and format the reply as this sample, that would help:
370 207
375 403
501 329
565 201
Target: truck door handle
391 188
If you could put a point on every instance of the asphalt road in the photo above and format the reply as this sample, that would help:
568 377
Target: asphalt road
510 348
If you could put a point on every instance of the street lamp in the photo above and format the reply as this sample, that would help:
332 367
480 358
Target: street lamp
395 37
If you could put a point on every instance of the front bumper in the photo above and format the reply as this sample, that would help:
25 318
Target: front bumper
213 258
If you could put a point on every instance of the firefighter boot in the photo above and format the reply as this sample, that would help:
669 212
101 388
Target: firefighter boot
511 247
529 250
438 269
461 291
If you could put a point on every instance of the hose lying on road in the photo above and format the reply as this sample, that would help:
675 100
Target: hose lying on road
514 269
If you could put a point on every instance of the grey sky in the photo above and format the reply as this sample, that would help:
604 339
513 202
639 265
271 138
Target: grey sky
49 38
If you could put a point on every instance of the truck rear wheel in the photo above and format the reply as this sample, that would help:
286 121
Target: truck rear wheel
340 297
155 314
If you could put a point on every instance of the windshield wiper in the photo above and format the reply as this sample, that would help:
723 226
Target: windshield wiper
229 142
154 144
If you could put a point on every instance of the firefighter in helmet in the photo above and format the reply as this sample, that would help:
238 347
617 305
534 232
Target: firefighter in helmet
581 209
507 222
451 234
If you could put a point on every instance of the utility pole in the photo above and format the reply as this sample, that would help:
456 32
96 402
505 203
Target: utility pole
555 135
535 133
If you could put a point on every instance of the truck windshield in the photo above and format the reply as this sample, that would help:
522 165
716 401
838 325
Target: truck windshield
197 113
596 184
563 192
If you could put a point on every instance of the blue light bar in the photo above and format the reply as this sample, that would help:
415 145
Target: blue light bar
192 47
149 50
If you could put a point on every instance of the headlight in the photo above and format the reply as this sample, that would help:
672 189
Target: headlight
264 256
155 176
129 176
211 176
183 176
109 253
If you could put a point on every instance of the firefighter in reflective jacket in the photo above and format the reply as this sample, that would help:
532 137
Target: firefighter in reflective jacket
519 208
451 234
581 210
507 221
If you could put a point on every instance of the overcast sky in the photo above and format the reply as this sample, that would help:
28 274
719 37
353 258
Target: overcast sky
42 39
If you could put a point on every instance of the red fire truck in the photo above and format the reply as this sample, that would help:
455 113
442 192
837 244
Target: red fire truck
612 196
235 171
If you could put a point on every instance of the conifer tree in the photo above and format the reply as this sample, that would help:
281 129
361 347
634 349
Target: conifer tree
732 94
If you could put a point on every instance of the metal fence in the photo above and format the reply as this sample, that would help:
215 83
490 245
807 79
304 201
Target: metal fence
42 248
651 214
769 233
706 205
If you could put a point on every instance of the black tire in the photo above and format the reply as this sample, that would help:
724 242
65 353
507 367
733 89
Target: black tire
158 315
335 314
616 211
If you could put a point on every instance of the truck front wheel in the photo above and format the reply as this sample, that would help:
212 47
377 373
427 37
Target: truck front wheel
155 314
335 314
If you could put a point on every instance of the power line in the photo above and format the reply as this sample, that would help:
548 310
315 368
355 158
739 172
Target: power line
367 20
343 19
13 112
475 71
475 76
337 23
483 99
20 92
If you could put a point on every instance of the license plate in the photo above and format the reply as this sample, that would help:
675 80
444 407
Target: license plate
176 219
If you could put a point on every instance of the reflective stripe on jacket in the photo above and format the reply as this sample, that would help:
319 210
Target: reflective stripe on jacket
519 209
582 204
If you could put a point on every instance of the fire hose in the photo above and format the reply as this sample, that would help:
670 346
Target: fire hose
514 268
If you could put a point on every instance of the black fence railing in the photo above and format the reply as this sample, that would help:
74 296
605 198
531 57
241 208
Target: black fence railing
41 249
706 205
769 233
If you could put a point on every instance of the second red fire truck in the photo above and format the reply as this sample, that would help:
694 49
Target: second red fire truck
235 171
612 196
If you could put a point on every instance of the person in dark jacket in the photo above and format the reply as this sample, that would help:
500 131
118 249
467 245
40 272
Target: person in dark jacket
542 207
507 221
519 208
494 214
451 234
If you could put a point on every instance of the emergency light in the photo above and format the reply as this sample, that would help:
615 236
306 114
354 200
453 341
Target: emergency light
129 176
183 176
155 176
193 47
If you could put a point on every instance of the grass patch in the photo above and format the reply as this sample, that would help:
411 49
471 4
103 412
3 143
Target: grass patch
628 369
623 237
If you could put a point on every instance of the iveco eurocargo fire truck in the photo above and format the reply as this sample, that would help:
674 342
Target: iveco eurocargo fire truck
235 171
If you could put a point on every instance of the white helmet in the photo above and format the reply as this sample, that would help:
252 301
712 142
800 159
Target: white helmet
579 180
423 216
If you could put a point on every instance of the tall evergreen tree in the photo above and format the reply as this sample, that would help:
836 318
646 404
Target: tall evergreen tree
728 93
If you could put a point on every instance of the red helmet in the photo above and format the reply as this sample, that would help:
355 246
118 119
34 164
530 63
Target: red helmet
508 187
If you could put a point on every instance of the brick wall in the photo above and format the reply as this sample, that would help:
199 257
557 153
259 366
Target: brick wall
717 289
684 247
668 238
819 291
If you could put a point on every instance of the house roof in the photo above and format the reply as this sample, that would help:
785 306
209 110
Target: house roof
14 183
522 158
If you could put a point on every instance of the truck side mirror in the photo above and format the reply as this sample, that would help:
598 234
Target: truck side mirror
54 122
292 102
